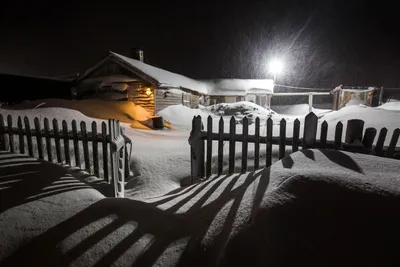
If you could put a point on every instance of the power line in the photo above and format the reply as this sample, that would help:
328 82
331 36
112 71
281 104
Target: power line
302 88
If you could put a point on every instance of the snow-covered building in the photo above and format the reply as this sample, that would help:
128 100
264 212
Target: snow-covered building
345 96
117 77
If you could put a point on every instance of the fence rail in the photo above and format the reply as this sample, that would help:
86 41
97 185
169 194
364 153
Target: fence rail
355 141
84 148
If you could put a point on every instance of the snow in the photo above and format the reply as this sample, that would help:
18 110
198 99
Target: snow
392 105
181 116
124 111
239 87
301 211
164 78
355 102
298 110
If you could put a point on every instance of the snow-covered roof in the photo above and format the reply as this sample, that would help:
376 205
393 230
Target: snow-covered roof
165 79
239 87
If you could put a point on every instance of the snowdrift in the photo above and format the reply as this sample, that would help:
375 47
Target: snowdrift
124 111
314 208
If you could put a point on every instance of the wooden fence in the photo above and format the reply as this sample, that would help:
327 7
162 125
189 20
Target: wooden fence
355 141
112 142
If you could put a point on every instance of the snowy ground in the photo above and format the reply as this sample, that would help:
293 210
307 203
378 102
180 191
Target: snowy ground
160 159
314 208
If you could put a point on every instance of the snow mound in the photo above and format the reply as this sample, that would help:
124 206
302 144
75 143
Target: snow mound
239 108
182 116
301 211
298 110
124 111
392 105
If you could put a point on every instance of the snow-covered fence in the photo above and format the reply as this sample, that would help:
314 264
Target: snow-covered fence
355 141
112 142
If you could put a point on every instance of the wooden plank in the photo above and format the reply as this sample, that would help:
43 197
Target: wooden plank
39 137
220 146
3 145
57 140
369 137
232 144
296 134
196 150
257 145
245 146
209 146
85 144
105 151
76 144
338 135
21 136
282 138
324 134
380 142
95 150
48 140
268 143
393 143
310 130
10 133
66 142
28 136
354 131
113 156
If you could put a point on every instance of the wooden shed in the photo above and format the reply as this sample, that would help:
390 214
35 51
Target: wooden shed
117 77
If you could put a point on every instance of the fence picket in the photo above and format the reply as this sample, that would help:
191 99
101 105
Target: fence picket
296 134
39 137
245 144
57 140
76 144
324 134
232 144
10 133
380 142
269 143
48 140
85 144
28 136
282 138
95 150
3 145
310 130
393 143
209 146
66 142
105 152
257 145
338 135
21 136
368 139
220 146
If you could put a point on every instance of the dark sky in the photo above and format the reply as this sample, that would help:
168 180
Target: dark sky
323 42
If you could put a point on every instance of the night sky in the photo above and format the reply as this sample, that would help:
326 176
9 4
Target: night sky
323 43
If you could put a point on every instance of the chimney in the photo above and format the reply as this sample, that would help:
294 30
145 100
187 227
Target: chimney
137 53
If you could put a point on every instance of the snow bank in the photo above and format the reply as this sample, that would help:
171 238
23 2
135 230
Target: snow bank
392 105
182 116
239 87
124 111
308 209
239 108
298 110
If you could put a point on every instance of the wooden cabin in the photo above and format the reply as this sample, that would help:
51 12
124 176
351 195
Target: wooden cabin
344 96
116 77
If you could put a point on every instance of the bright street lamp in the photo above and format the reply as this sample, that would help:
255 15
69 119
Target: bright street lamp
276 67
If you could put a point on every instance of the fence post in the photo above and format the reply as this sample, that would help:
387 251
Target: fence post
393 143
220 146
324 133
10 133
257 145
380 142
296 133
232 144
21 136
245 144
338 135
310 102
209 146
268 143
310 130
3 140
380 96
282 138
196 150
368 138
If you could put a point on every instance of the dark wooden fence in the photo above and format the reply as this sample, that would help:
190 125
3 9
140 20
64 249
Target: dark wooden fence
52 143
355 141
